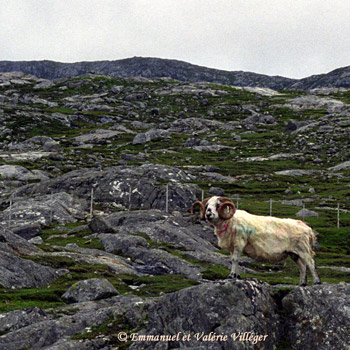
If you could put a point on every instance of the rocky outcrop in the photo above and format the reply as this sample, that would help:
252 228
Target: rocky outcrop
89 290
55 331
162 231
318 317
219 317
124 186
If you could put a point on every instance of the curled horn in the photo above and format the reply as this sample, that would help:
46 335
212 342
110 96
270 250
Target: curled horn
226 214
202 212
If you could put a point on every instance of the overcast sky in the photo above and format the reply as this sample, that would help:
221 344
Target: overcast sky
292 38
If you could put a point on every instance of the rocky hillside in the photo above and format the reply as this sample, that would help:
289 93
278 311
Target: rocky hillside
156 68
97 246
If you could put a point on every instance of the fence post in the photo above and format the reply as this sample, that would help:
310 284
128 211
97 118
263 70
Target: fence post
129 197
10 216
202 195
51 211
270 206
91 201
167 199
338 216
303 212
237 204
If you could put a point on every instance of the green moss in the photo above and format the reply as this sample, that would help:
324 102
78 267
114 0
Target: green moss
151 286
110 328
29 297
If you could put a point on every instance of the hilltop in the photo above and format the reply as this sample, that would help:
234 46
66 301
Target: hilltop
165 68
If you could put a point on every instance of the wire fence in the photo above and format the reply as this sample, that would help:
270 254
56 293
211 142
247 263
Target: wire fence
270 210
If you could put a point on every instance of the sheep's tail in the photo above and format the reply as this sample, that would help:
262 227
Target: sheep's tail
312 240
312 237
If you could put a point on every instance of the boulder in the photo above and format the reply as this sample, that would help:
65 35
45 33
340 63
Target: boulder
12 243
192 141
17 172
150 135
19 273
60 208
216 191
306 213
88 290
318 317
231 309
97 136
28 231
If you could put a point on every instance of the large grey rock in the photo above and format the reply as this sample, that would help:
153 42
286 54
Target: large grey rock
56 330
315 102
150 135
12 243
340 167
164 231
221 308
34 143
259 119
17 172
157 225
28 231
17 319
44 210
190 125
306 213
88 290
297 172
141 187
318 317
19 273
97 136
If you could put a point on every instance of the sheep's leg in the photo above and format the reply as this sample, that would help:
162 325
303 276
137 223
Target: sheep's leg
313 269
234 267
302 268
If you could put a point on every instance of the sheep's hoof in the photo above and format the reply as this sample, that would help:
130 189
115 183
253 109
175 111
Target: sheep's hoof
233 276
302 284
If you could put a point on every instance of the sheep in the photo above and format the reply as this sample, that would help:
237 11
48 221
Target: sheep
263 238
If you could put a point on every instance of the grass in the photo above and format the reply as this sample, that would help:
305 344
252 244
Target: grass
111 328
29 297
61 237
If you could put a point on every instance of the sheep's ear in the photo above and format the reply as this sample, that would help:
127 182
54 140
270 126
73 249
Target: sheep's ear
202 209
205 201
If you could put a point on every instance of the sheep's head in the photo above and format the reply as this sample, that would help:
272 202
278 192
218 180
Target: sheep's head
215 208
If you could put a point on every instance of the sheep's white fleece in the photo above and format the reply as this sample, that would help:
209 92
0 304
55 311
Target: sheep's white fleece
264 238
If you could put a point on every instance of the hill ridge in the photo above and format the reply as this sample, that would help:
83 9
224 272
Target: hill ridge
152 67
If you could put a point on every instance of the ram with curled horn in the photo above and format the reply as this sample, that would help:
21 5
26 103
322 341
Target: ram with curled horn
263 238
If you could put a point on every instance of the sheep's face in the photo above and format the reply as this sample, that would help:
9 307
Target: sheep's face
215 210
212 209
